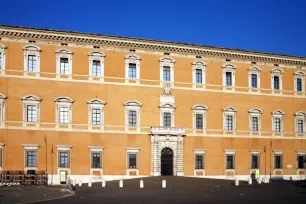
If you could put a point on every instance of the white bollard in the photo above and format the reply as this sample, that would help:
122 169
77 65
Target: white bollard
121 184
73 182
141 184
263 180
267 180
80 182
164 184
250 181
259 180
103 183
89 183
236 182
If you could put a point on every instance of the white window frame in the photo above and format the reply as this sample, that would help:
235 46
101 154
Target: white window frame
254 70
134 106
2 109
199 109
35 51
278 114
59 169
96 56
229 111
300 115
300 153
96 103
255 112
30 147
168 62
299 75
2 53
202 66
199 171
133 150
226 153
254 153
279 73
232 69
63 53
275 153
63 101
132 59
31 99
1 156
167 108
95 149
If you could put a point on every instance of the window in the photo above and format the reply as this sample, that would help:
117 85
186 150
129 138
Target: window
300 118
199 161
96 68
31 63
254 124
166 69
32 58
199 76
132 118
278 161
199 121
230 161
300 126
64 159
198 70
299 81
31 158
96 116
1 153
277 75
2 107
96 159
254 77
277 127
63 110
2 57
132 114
31 113
167 119
255 119
254 80
64 62
229 75
132 160
229 118
132 71
301 159
31 108
278 121
64 66
1 61
299 85
255 161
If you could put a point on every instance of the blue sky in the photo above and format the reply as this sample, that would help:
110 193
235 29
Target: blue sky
259 25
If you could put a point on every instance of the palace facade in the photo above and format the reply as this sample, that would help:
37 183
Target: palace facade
91 106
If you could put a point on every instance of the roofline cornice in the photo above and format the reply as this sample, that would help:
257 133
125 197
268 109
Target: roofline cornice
99 39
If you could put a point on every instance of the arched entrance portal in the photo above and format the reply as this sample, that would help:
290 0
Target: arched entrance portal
166 162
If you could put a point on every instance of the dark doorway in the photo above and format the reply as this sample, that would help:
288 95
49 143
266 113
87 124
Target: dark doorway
167 162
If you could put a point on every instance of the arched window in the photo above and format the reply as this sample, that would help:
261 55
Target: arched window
254 77
198 73
31 108
229 75
132 115
167 70
132 68
276 79
96 113
96 64
2 57
64 62
63 110
31 58
199 117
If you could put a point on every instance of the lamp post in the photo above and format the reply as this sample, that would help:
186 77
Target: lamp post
46 143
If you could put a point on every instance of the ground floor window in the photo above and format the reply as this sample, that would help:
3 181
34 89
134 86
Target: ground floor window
230 161
96 160
255 161
63 158
199 161
301 159
132 160
31 158
278 161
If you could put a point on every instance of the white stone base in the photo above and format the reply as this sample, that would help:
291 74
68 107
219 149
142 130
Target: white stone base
180 173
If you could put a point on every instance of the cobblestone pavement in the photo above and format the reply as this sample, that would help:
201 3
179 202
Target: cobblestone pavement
189 190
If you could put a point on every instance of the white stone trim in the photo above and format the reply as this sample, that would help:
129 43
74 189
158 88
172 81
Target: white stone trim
2 53
2 109
202 66
166 61
63 147
277 72
96 56
100 150
278 114
275 153
199 109
199 152
96 103
132 105
226 153
63 53
300 115
63 101
299 75
255 112
27 100
35 51
254 70
232 69
231 111
132 150
30 147
134 59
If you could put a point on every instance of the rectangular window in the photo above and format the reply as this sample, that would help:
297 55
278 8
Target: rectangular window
199 79
167 119
32 63
255 124
199 161
96 160
228 77
199 121
301 161
254 80
166 73
278 161
64 66
0 157
255 161
31 159
299 85
132 118
96 116
300 128
277 125
132 160
230 161
63 159
31 113
276 82
229 122
96 68
63 117
132 71
0 60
